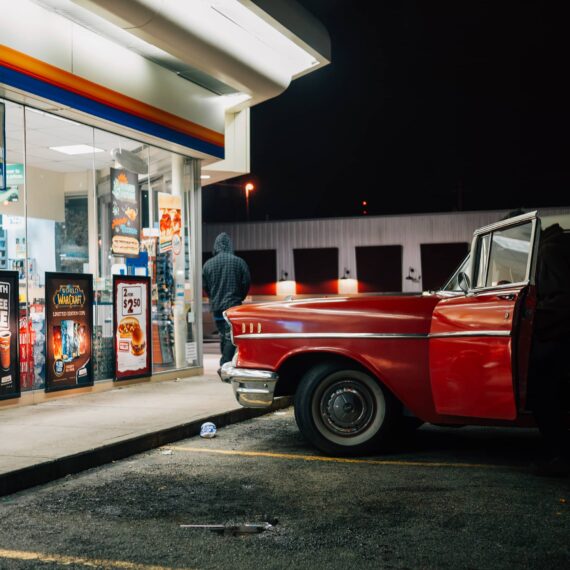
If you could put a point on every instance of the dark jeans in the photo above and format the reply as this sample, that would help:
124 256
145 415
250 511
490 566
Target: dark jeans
226 347
548 385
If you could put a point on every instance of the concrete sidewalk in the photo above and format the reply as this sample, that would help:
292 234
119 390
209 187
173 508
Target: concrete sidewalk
42 442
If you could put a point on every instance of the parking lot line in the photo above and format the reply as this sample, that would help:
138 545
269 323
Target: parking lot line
389 462
42 557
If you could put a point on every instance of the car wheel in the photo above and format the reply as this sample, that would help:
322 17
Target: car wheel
343 411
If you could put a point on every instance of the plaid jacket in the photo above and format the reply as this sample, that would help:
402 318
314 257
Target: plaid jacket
225 276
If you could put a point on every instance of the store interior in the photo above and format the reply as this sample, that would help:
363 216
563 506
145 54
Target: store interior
56 215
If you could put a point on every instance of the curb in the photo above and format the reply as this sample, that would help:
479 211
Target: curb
47 471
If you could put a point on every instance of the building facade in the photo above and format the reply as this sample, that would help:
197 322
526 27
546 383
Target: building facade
111 115
358 255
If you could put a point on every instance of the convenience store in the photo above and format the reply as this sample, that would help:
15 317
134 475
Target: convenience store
113 114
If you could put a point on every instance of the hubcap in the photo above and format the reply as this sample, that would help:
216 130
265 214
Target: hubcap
347 407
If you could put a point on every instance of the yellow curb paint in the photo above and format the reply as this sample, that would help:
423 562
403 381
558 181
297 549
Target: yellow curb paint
66 560
335 459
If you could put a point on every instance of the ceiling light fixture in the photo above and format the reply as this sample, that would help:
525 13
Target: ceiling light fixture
76 149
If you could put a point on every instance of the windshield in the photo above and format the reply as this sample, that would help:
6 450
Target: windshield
453 283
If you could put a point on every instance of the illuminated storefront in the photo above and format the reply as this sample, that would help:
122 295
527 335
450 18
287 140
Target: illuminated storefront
103 145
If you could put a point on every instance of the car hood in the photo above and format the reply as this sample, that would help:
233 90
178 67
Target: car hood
386 314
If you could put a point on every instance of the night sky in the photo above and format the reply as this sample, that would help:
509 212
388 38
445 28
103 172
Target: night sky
427 106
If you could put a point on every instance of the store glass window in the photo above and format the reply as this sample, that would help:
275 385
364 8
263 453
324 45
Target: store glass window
57 214
59 188
13 241
147 233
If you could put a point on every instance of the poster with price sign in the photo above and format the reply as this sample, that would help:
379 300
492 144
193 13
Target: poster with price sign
131 326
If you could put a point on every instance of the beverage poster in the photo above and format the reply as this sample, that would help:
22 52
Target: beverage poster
69 330
9 330
131 326
125 219
170 215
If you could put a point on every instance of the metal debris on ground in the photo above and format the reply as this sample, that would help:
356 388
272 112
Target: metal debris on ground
232 529
166 452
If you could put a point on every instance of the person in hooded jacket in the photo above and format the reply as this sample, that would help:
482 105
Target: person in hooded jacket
226 280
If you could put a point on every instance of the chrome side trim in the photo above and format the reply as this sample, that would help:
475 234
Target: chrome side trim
470 334
505 223
412 336
331 335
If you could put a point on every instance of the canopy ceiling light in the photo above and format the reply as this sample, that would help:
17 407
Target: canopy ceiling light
238 43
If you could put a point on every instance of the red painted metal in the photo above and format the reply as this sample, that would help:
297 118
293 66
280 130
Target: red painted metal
402 364
441 380
472 375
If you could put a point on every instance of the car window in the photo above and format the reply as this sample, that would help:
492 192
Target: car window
510 251
503 255
453 283
482 260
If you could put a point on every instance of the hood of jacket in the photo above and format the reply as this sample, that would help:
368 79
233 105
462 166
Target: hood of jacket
223 243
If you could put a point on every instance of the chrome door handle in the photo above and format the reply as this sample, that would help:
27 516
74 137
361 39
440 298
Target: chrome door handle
507 296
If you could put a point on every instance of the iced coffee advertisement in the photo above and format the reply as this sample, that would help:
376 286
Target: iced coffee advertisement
69 326
9 366
131 299
170 215
125 221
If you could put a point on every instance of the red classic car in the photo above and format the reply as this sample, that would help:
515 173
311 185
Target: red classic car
364 368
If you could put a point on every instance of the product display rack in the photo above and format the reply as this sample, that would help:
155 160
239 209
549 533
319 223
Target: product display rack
164 309
3 249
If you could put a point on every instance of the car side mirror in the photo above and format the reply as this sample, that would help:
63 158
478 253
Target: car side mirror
464 282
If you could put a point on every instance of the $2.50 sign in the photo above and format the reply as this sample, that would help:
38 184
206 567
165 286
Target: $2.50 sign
132 299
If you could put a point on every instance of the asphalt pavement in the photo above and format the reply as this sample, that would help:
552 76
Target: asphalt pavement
448 498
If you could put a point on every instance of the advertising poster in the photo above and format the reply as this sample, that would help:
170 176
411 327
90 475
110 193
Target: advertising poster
125 219
69 330
170 215
132 330
9 330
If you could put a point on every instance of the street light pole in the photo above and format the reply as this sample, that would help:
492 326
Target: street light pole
248 188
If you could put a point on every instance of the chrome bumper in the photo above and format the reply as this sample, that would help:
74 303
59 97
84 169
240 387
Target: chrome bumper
252 388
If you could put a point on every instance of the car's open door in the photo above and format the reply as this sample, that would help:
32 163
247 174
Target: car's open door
474 335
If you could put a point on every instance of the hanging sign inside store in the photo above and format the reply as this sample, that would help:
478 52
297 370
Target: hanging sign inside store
9 365
3 184
69 330
170 215
132 326
14 178
125 219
